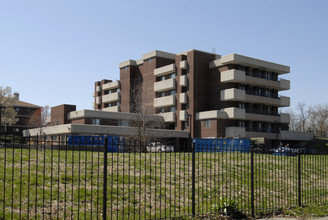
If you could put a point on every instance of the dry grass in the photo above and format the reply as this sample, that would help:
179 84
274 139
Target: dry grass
69 184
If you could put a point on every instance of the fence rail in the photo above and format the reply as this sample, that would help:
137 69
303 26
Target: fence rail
51 179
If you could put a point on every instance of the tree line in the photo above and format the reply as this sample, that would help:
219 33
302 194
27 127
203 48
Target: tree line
310 118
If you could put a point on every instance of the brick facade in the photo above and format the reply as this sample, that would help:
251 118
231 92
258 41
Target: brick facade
212 81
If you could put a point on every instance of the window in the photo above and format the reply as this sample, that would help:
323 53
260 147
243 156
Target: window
17 109
149 60
57 122
123 123
125 68
160 110
184 125
207 123
96 121
247 71
172 109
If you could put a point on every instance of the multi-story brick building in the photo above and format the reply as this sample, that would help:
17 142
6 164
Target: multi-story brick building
225 96
24 112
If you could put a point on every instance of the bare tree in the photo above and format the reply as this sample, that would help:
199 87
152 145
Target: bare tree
143 122
7 100
320 113
312 118
294 124
304 114
39 118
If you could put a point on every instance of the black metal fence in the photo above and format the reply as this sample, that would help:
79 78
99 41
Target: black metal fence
54 179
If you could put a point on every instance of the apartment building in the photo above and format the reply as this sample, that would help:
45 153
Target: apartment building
24 112
218 96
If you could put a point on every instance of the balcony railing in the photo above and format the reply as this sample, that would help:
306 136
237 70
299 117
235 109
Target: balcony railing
259 111
261 75
264 130
249 92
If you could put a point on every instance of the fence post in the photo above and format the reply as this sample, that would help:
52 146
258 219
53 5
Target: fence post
105 179
299 180
252 181
193 179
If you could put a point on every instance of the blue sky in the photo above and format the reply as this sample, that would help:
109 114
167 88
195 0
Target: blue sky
52 52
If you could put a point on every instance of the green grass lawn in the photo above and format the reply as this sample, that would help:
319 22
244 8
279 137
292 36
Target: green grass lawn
69 184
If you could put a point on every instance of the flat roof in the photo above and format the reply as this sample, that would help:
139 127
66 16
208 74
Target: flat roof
84 129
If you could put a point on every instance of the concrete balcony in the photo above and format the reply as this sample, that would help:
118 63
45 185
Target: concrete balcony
284 118
168 116
235 132
183 115
98 89
113 97
98 100
183 64
249 61
233 95
164 85
284 101
226 113
262 117
183 81
239 76
214 114
111 85
235 113
165 101
262 99
112 109
183 98
165 70
284 84
233 76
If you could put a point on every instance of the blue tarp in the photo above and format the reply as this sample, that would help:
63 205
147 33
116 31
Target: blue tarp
114 142
222 145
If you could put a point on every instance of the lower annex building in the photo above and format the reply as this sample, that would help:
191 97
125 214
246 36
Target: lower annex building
208 94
